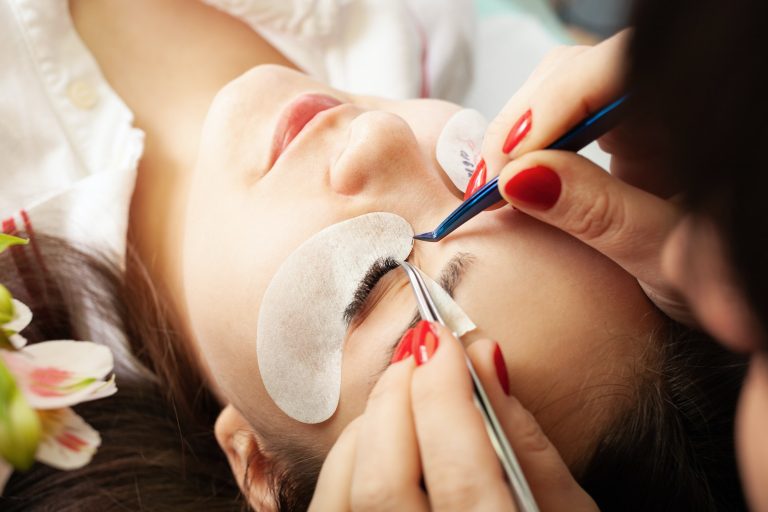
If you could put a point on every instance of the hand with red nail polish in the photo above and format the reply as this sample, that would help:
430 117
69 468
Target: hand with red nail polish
620 214
421 418
568 84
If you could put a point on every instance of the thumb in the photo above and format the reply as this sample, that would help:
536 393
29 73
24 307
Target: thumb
624 223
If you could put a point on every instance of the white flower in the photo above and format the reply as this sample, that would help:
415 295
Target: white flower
49 378
38 385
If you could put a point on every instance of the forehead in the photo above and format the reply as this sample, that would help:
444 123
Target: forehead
571 323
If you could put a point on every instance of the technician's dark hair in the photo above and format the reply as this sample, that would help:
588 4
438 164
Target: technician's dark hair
698 70
158 452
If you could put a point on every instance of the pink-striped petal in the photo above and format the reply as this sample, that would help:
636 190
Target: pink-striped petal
68 442
57 374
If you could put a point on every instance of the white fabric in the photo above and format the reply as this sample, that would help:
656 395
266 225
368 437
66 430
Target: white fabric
68 151
390 48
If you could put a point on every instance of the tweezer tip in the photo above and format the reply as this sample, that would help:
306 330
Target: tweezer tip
427 237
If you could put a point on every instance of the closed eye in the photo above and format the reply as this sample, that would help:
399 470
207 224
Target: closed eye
379 269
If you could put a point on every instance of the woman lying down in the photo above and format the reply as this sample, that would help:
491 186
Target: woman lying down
302 201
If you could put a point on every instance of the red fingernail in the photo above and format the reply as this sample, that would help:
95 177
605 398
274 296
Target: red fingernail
538 187
518 132
425 342
501 369
477 180
404 347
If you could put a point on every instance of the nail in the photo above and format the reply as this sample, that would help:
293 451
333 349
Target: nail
538 187
425 342
404 347
501 369
518 132
477 180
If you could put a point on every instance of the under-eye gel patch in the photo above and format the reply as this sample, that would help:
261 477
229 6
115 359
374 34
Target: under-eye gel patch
301 329
459 144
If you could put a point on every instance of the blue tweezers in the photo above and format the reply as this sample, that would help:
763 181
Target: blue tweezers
587 131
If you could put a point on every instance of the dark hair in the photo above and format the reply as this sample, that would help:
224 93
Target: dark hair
697 69
158 451
673 448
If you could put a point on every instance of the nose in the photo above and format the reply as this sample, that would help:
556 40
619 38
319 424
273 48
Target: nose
381 151
385 165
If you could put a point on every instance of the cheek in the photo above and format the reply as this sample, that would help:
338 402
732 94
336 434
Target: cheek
694 262
751 438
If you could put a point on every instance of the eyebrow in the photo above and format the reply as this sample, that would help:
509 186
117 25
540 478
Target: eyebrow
450 277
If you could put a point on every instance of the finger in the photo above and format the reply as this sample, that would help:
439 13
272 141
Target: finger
335 480
460 468
551 482
624 223
536 117
552 61
488 361
387 472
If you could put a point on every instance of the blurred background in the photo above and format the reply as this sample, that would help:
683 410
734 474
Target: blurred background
592 18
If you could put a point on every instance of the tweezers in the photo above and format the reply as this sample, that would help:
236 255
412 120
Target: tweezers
584 133
519 485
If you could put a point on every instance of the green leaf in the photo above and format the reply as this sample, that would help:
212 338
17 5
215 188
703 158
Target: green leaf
6 305
7 241
20 428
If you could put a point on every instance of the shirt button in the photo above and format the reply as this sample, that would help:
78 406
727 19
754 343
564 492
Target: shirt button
82 95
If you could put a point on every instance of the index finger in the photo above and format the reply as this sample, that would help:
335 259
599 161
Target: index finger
461 470
536 117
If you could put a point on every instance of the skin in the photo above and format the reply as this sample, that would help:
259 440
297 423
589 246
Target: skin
571 324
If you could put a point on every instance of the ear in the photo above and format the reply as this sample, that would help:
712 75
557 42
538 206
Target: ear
250 466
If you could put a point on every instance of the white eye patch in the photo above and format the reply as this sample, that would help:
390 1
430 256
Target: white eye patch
458 147
301 328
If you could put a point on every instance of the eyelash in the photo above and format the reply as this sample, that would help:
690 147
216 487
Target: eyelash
378 270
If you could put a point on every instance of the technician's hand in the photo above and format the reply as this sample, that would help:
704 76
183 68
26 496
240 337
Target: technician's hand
420 424
624 214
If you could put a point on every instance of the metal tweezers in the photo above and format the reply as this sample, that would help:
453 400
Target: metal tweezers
519 485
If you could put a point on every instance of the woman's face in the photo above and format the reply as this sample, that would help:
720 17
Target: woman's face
570 323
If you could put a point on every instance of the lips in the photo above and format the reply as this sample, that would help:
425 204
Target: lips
296 116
